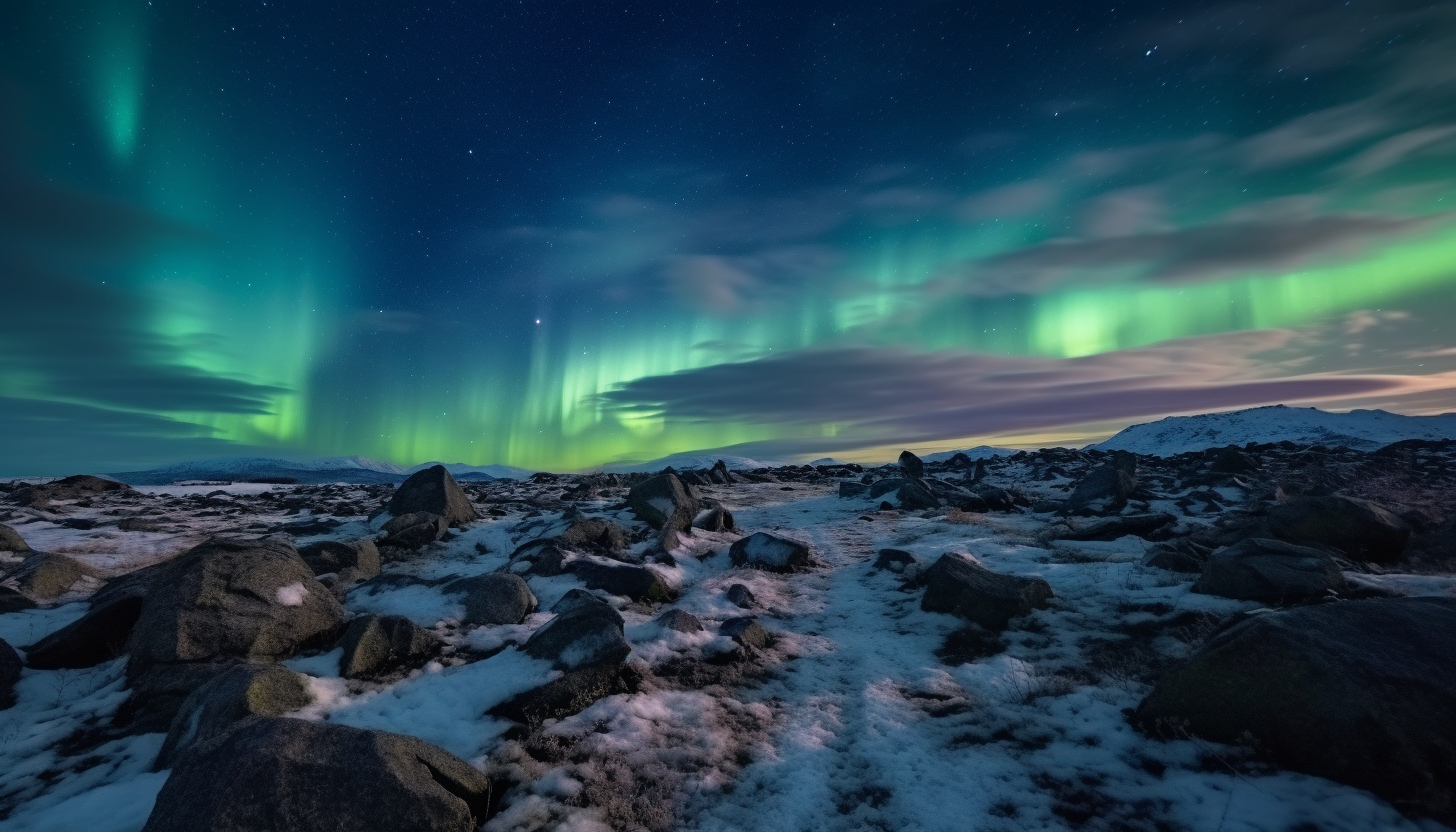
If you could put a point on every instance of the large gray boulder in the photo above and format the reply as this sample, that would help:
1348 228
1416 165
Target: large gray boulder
434 491
253 599
568 694
290 775
414 529
915 495
9 674
1359 528
45 577
1106 488
497 598
640 583
357 560
1271 571
158 692
770 552
911 464
98 636
11 541
1360 692
957 585
229 698
545 556
375 645
594 534
584 633
76 487
664 503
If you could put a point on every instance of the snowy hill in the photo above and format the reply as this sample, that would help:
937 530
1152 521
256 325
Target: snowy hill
1358 429
691 462
461 471
978 452
356 469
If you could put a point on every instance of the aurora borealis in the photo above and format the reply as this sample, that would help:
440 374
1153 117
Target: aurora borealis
560 234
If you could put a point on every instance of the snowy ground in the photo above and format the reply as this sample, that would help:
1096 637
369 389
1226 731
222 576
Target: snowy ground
855 718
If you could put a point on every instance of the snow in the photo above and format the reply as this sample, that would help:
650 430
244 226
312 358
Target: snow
693 461
292 595
1358 429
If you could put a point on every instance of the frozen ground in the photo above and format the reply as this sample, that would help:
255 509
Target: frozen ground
856 717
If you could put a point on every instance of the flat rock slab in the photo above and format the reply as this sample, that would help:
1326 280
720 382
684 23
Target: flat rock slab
956 585
1270 571
770 552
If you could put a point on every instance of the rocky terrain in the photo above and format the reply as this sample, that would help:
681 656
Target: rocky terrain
1242 638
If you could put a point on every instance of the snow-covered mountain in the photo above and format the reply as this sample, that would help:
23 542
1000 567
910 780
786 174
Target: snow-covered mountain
355 469
1359 429
978 452
460 470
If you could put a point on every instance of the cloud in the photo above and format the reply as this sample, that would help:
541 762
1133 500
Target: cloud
874 395
1313 135
1015 200
738 285
1397 149
1197 253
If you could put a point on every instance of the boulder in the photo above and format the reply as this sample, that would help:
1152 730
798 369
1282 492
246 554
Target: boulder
594 534
227 699
1270 571
880 488
10 673
1232 460
157 693
414 529
960 586
640 583
1111 528
762 550
433 491
664 503
742 597
585 633
571 693
1178 556
679 621
375 645
140 524
254 599
895 560
77 487
357 560
13 600
544 557
746 631
44 577
915 495
98 636
497 598
911 465
575 598
996 499
1106 488
291 775
1359 692
714 518
11 541
1359 528
853 489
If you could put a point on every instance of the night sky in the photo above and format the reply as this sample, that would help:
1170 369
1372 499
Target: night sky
557 234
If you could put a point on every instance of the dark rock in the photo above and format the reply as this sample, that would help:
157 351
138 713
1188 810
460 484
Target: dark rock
1359 528
741 596
584 634
916 496
762 550
253 599
885 486
98 636
1111 528
433 491
664 503
11 600
1232 460
680 621
140 524
853 489
1178 556
895 560
1270 571
497 598
158 692
720 475
44 577
414 530
76 487
911 465
996 499
1106 488
543 557
956 585
291 775
593 534
885 505
355 561
10 673
715 518
640 583
11 541
1359 692
572 693
228 698
375 645
579 598
746 631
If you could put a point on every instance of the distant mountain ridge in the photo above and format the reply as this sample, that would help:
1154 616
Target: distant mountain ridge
1359 429
351 469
